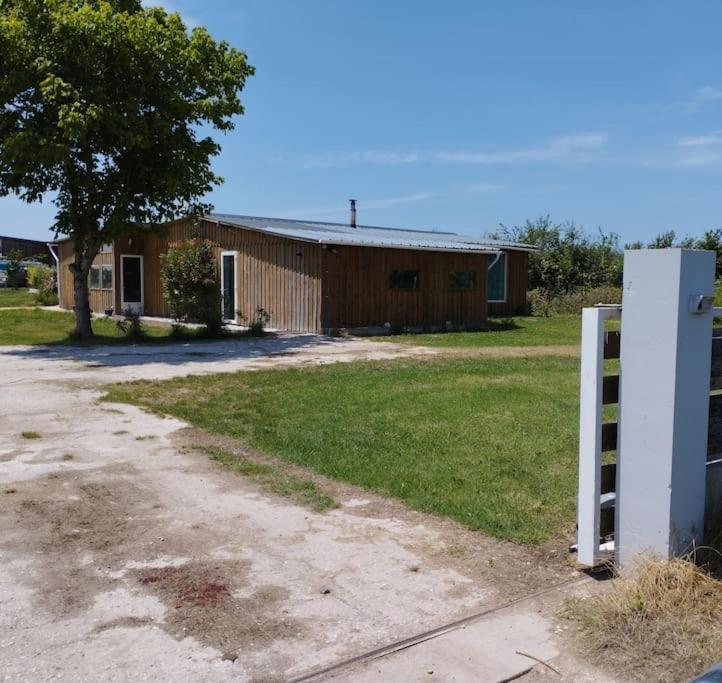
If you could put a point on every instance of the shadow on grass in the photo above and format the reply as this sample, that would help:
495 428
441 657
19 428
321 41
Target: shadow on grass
117 352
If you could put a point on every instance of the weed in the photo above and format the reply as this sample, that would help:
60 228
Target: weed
661 620
30 435
273 479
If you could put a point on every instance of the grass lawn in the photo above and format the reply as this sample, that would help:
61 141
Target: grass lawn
16 297
490 443
557 330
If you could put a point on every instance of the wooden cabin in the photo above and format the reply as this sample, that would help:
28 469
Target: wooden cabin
317 277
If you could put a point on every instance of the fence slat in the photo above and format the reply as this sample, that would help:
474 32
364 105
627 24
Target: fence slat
609 436
610 389
714 431
611 344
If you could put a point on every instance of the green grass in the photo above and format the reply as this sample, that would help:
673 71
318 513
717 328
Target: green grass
51 327
16 297
271 478
556 330
490 443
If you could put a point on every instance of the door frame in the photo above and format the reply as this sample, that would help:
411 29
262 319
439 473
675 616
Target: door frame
235 286
134 305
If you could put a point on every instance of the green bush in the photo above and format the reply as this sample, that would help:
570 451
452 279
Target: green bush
131 326
190 285
43 278
257 325
542 302
17 277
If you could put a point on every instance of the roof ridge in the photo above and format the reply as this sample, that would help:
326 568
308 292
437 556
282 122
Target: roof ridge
340 225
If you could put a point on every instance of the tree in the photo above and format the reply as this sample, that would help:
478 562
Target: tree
567 258
102 104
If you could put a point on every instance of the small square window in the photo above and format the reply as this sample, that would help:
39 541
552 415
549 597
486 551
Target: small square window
107 248
404 279
94 279
462 279
107 276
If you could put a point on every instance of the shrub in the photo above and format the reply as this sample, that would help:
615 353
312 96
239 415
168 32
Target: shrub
16 271
190 285
543 303
43 278
131 326
257 325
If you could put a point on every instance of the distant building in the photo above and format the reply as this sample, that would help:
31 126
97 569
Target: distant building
28 248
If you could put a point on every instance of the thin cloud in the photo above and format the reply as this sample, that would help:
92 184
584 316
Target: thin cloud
700 141
574 148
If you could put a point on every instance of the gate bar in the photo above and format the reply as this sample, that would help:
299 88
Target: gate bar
590 433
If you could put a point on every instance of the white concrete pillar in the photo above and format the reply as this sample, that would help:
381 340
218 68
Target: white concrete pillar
664 401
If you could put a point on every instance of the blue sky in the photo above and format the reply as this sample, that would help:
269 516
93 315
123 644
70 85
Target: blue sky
461 115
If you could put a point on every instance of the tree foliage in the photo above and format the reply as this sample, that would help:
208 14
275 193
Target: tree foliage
190 285
103 103
567 258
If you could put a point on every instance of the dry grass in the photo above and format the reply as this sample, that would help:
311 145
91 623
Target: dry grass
662 621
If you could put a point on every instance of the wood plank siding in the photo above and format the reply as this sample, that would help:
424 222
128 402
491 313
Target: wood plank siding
357 291
517 264
100 298
309 288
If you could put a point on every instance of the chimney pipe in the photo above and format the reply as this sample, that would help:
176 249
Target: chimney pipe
353 212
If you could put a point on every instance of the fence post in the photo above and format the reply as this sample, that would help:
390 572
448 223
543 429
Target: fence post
666 346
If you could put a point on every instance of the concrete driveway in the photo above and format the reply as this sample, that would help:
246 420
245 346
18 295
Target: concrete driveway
126 555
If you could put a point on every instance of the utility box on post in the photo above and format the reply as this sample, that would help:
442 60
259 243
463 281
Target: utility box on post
666 346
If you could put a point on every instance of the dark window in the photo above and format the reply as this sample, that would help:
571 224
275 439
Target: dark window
404 279
497 279
106 276
462 279
132 280
94 280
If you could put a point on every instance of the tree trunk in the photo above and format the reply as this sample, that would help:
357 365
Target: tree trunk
84 256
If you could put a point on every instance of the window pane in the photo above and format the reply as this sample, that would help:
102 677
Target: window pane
107 277
94 281
462 279
497 280
404 279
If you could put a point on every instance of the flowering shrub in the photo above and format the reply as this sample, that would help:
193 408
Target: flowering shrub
190 285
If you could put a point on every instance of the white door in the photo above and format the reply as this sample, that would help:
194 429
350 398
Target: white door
229 295
131 283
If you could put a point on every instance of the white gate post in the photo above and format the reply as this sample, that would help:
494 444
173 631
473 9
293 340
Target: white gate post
590 434
666 346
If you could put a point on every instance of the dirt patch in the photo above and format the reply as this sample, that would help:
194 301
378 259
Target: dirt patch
203 603
78 529
513 570
123 622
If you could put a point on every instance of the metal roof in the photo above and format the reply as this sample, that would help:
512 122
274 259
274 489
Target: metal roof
367 235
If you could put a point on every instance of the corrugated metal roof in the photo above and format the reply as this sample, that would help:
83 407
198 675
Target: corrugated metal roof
367 235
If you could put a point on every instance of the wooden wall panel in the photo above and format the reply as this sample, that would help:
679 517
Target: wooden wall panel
100 299
357 292
280 275
516 284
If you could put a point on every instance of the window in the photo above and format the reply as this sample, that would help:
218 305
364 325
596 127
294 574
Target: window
404 279
462 279
107 248
497 279
94 279
106 276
